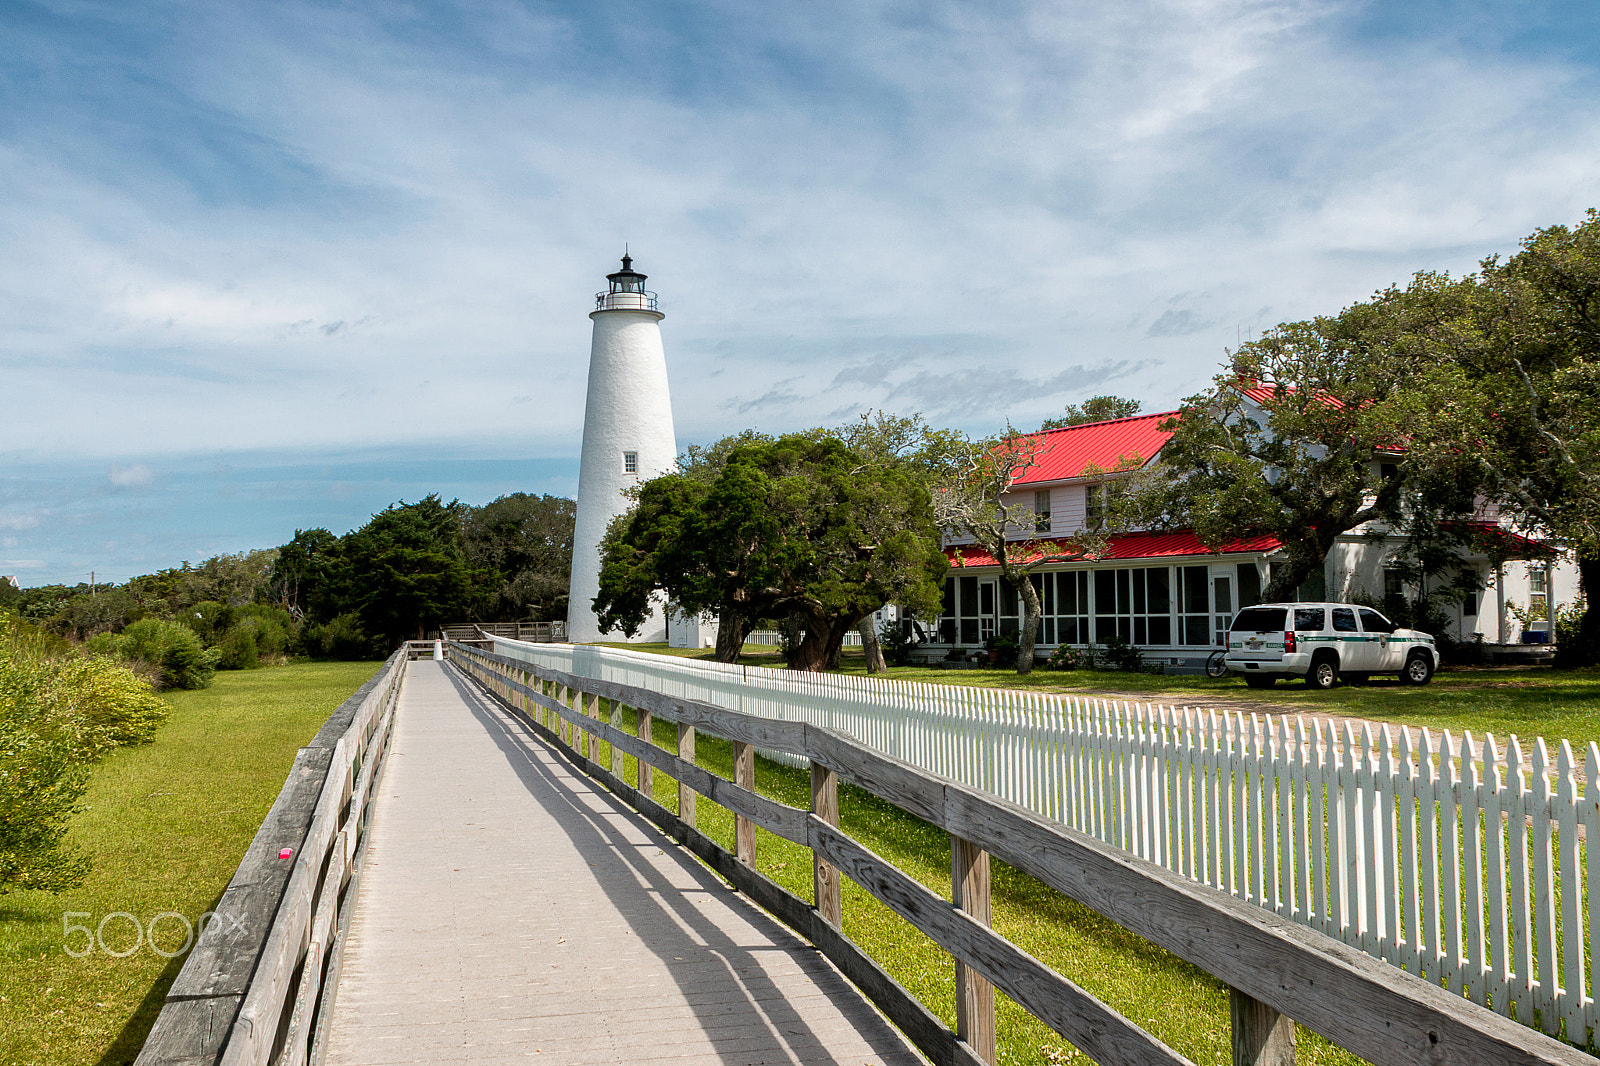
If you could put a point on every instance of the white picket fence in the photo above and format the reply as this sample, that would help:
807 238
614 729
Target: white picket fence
1435 854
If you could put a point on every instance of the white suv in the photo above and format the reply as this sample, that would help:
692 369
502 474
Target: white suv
1322 642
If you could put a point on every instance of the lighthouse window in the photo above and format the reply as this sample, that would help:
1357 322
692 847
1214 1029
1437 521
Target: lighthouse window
630 462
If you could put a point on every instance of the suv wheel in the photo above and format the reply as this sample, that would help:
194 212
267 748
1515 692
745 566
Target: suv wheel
1418 669
1260 680
1324 672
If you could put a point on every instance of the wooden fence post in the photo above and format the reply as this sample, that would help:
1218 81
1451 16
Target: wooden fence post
744 775
616 752
825 879
969 879
592 709
686 794
1261 1036
646 734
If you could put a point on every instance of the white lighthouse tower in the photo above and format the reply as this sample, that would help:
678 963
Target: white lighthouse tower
627 437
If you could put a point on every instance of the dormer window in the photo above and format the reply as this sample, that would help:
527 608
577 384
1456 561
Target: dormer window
630 462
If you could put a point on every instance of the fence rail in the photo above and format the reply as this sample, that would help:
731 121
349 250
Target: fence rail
261 977
1456 858
1276 969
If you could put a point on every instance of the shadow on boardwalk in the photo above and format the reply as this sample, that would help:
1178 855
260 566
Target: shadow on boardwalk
755 991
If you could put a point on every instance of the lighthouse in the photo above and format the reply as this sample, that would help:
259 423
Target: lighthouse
627 437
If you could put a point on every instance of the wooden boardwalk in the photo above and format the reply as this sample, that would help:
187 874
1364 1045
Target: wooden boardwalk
512 911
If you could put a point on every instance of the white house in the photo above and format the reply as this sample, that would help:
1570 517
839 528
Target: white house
1170 596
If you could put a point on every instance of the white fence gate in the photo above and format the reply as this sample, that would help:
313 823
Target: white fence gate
1456 859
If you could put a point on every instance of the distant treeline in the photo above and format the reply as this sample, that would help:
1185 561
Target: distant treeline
412 568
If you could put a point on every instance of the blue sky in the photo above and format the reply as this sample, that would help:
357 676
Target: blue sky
276 265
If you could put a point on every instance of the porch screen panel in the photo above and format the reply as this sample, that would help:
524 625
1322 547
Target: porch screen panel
967 588
1194 605
1249 585
1068 613
1010 608
947 617
1134 604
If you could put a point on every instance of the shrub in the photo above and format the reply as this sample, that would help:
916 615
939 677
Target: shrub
1005 647
896 640
59 712
171 648
1066 657
341 637
1120 655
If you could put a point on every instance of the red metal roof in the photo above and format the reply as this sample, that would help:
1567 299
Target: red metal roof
1071 451
1134 546
1491 534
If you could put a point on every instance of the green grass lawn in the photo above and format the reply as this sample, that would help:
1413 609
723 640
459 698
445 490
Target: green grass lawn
167 824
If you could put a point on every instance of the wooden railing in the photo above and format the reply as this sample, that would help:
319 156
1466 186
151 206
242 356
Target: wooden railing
1276 970
1452 857
533 632
263 974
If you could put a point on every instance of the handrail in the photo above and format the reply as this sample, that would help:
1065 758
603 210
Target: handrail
1276 970
258 985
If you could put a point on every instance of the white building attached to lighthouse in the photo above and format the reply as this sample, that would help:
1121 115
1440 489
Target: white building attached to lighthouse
627 437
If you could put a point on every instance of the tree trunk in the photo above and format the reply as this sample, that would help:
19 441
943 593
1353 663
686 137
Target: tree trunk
730 634
870 645
823 640
1031 610
811 652
1290 574
1585 651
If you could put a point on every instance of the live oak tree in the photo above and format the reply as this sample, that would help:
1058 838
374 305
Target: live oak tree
797 526
1291 440
1480 387
1515 393
904 441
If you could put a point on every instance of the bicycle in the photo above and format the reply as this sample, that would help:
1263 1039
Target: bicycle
1217 664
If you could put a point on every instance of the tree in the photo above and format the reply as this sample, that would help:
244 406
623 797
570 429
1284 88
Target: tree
1515 395
1286 441
903 441
527 542
797 526
303 577
1094 409
405 571
975 499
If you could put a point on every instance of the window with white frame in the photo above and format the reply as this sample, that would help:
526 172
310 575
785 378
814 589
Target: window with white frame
1041 511
630 462
1538 595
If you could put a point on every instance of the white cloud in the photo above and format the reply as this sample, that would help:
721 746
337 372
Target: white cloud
19 520
973 199
126 477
